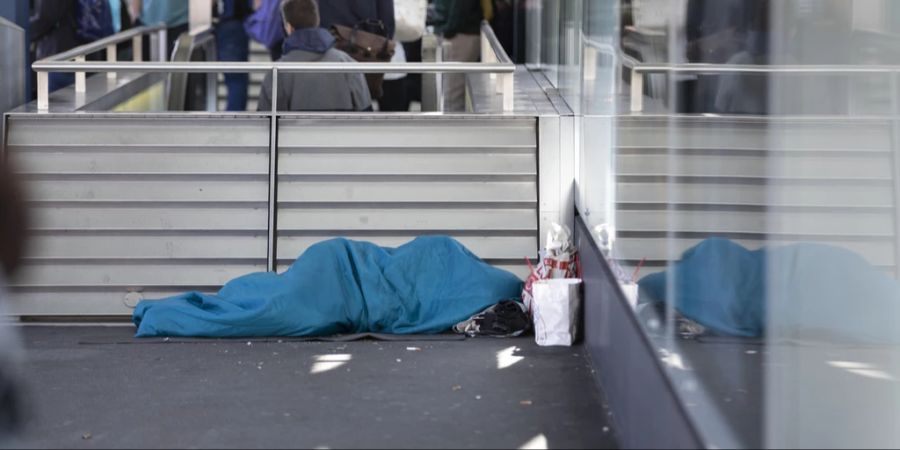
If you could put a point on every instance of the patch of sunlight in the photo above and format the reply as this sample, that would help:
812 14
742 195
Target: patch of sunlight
873 373
674 360
324 363
862 369
849 365
505 357
538 442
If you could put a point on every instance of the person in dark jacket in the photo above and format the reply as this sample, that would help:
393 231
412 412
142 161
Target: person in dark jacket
459 21
350 13
52 29
307 42
233 44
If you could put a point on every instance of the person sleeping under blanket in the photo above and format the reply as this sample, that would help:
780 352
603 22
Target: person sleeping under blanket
341 286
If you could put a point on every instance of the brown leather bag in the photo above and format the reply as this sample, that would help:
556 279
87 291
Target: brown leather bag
366 46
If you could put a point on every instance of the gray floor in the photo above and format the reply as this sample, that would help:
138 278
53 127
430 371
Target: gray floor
263 395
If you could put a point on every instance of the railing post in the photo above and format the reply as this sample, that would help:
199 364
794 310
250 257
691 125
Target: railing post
507 81
487 53
111 56
163 44
137 48
80 78
637 90
271 256
43 91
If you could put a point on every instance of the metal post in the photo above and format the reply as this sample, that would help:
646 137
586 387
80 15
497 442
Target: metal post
111 56
80 78
487 53
271 257
137 48
212 79
637 91
43 91
163 44
507 80
895 160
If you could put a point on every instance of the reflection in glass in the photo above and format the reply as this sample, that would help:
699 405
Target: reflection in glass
758 193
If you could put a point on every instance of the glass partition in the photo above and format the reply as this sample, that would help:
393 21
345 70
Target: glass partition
753 199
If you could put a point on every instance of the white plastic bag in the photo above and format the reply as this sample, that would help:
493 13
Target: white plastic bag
557 305
558 259
410 16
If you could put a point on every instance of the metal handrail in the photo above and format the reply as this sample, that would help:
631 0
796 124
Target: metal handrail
290 67
639 69
76 57
495 62
499 52
184 50
102 44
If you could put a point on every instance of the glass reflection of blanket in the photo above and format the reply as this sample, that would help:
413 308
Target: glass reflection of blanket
813 290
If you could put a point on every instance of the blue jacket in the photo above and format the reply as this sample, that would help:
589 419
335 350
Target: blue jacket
351 12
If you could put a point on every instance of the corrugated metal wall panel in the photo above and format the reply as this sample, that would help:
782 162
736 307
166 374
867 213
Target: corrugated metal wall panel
159 205
155 205
767 181
388 180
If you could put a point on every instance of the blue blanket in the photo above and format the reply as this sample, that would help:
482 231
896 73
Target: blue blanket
808 291
341 286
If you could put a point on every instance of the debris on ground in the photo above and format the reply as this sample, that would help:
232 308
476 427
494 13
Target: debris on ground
525 403
456 388
477 397
413 349
606 429
399 360
86 436
249 343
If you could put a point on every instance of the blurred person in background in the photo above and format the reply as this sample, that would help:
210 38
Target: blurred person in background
352 12
373 16
459 22
233 44
174 13
52 30
13 222
401 89
306 41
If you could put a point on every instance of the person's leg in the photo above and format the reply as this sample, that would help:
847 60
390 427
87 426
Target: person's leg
463 48
232 44
414 80
395 97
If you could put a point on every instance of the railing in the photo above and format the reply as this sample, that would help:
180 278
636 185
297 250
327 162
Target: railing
76 57
638 69
495 62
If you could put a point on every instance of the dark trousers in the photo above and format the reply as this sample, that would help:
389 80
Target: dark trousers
398 94
233 44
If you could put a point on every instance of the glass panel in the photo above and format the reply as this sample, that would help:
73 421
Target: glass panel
753 197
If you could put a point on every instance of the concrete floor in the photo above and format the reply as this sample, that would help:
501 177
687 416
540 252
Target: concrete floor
86 391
